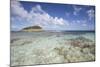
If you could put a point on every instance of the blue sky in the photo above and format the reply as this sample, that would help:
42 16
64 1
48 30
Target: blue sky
52 16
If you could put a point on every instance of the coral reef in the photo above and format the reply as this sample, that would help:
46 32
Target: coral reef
40 49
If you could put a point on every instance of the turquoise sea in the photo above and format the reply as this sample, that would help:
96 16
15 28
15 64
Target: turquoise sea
49 47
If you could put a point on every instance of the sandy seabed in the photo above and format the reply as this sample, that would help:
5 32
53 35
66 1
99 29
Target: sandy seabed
32 48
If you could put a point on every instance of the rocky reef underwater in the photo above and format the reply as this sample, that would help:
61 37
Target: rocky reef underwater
27 50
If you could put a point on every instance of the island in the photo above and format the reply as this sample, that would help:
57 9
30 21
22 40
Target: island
32 29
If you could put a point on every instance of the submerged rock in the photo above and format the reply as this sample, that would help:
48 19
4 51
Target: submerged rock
81 42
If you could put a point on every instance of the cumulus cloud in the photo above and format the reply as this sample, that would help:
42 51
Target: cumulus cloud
36 16
91 14
17 9
78 21
76 10
84 24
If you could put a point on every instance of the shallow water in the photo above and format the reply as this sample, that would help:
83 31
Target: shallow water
31 48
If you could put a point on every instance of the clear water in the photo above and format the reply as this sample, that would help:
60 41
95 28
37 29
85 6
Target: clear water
31 48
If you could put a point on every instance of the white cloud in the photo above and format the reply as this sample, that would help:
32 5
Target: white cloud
84 24
91 14
78 21
76 10
36 16
17 9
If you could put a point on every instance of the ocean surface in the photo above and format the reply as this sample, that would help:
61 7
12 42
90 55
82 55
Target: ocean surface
49 47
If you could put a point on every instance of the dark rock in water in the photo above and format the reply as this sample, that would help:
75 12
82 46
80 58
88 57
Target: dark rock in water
26 42
81 42
13 40
83 39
